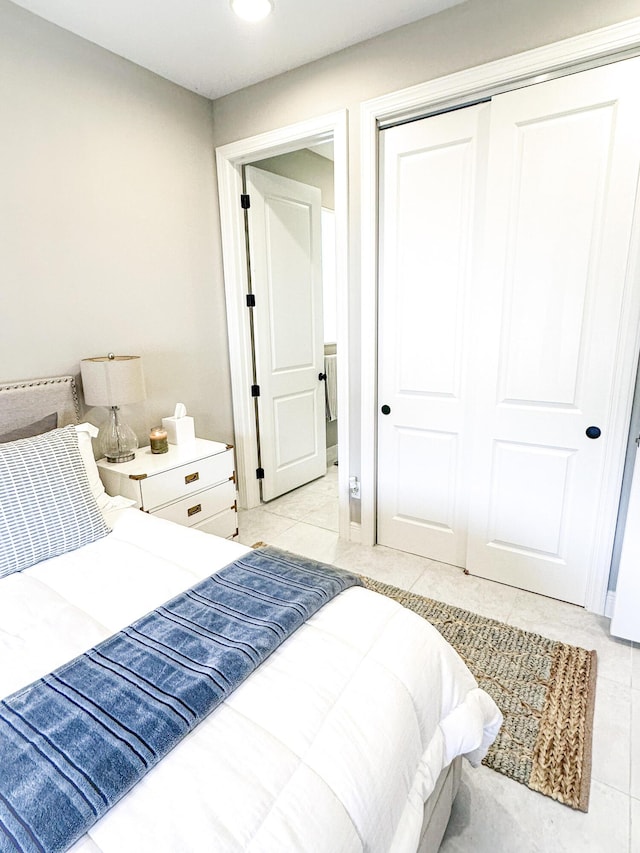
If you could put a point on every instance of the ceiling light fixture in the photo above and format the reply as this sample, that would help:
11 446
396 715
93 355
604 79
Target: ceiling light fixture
252 10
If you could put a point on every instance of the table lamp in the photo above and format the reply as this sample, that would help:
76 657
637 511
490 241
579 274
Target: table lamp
114 381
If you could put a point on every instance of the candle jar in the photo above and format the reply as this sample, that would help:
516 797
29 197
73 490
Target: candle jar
158 440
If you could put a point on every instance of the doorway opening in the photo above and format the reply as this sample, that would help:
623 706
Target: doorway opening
268 150
289 214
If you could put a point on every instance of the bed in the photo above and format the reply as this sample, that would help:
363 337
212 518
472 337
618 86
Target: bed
348 737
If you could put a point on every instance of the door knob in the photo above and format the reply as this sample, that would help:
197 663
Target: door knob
386 410
593 432
322 376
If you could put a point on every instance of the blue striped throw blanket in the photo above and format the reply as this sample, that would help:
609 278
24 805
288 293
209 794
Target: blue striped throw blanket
74 742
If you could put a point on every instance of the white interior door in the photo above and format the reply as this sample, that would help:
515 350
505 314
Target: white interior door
431 190
285 250
562 181
544 308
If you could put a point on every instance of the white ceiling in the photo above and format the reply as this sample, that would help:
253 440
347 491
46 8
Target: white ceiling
203 46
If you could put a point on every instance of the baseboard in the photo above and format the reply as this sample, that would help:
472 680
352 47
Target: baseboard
610 603
355 532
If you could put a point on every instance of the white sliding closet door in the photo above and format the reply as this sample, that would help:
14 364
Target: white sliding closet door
562 182
516 342
431 190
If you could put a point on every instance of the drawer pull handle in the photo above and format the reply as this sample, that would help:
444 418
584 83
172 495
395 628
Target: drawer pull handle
191 478
194 510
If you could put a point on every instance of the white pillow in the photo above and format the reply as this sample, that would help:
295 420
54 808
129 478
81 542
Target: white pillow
106 502
46 504
85 433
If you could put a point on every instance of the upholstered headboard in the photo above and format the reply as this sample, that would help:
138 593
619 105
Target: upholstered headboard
22 403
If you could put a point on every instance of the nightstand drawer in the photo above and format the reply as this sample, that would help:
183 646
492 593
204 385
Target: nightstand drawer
186 480
196 508
223 524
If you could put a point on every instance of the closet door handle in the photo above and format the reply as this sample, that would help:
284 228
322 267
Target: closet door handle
593 432
322 377
386 410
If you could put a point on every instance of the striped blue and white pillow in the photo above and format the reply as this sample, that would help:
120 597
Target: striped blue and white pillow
46 504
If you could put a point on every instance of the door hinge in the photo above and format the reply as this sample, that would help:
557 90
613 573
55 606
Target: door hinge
251 300
259 473
255 390
245 201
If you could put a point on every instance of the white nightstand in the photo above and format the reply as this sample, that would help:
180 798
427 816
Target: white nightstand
193 484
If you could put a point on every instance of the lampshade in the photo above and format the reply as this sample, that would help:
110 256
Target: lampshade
112 380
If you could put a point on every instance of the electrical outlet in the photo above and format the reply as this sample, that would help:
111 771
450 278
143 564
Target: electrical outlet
354 487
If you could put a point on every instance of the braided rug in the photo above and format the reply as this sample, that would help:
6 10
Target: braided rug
545 690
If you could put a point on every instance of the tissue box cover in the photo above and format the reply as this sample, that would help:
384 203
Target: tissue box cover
179 430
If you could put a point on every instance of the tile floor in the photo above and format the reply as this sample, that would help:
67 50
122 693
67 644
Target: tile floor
493 814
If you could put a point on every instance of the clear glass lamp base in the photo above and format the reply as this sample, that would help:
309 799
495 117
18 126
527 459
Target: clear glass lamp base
118 441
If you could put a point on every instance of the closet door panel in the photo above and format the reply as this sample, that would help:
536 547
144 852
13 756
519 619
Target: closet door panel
557 207
431 497
431 222
529 520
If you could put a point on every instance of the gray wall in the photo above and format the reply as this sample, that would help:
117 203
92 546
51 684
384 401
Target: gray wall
108 218
109 227
472 33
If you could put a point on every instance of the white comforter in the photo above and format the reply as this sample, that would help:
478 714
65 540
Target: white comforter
332 745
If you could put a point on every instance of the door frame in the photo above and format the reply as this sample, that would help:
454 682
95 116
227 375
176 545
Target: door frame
230 160
608 44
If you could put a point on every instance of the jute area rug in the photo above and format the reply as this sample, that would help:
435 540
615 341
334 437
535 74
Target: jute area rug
545 690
